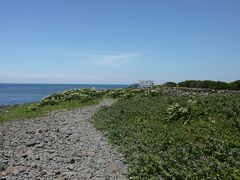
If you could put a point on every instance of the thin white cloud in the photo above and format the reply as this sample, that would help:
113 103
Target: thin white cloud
103 59
115 60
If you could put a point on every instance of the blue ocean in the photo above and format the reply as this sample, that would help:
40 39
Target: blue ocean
11 94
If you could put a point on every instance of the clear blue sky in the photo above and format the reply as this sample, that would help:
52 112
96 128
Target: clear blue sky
118 41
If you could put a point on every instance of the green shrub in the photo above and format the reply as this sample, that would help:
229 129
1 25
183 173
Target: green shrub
203 84
156 141
81 95
176 112
234 85
170 84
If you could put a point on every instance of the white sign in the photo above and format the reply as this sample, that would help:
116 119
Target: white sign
146 84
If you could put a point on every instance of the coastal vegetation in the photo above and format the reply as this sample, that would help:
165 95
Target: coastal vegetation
206 84
235 85
167 132
176 137
66 100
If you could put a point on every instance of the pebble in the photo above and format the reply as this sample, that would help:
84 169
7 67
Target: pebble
63 145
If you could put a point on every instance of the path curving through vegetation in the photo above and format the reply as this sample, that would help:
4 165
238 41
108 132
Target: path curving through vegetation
62 145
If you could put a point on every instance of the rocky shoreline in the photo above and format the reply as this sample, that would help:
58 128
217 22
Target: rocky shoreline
3 107
63 145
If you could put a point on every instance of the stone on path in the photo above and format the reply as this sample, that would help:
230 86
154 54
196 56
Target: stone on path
63 145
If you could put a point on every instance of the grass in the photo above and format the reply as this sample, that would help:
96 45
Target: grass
70 99
65 100
33 110
178 137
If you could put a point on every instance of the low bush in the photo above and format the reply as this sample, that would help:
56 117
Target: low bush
204 84
235 85
80 95
170 84
176 137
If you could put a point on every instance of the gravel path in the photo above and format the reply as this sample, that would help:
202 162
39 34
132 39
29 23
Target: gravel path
61 146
